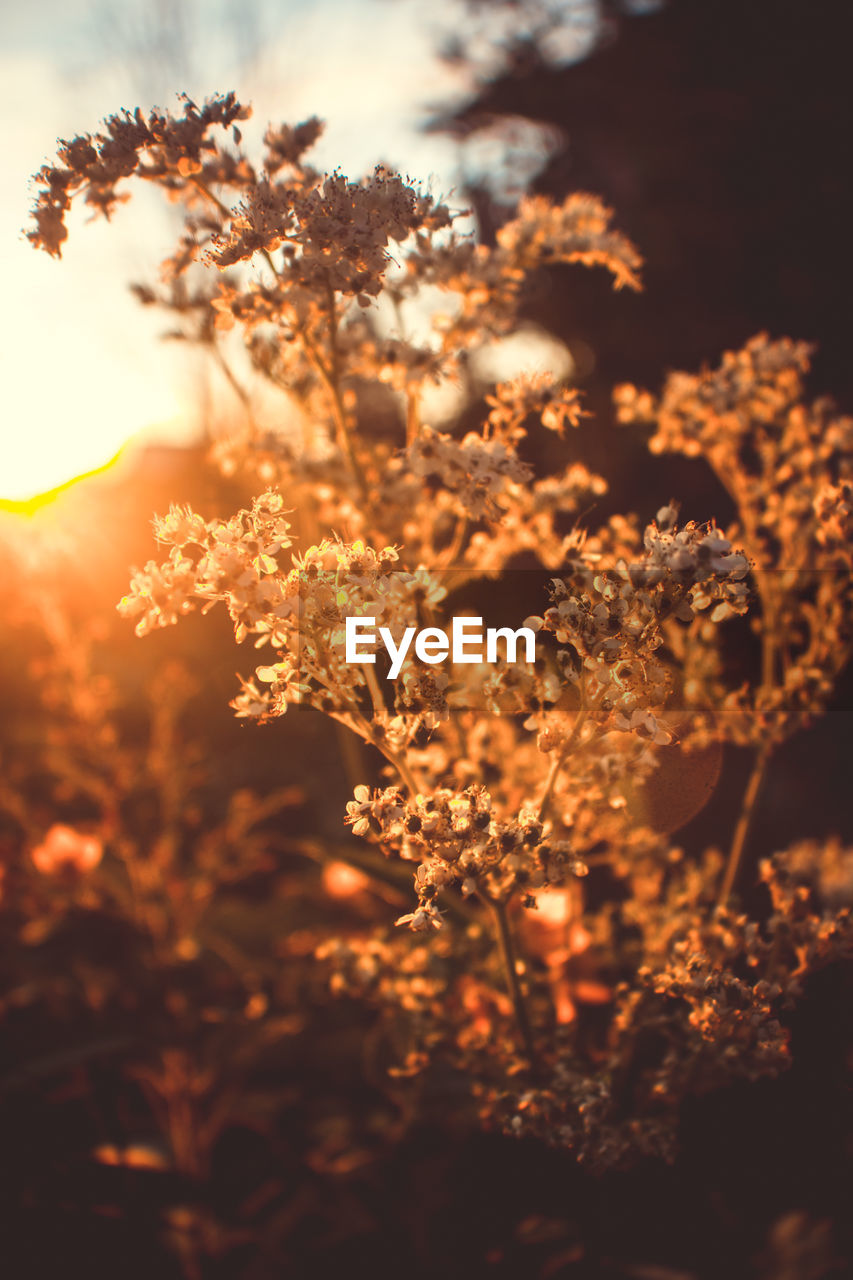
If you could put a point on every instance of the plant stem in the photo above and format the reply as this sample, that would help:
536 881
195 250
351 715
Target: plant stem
331 377
768 645
205 190
400 765
516 995
560 761
451 551
236 386
411 417
744 822
375 692
762 755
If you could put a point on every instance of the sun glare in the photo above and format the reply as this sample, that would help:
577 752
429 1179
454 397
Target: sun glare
83 372
31 505
64 432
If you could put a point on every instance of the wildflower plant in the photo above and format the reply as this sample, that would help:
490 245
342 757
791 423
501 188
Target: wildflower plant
499 787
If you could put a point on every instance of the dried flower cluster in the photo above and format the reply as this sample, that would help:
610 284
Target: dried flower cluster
787 466
502 787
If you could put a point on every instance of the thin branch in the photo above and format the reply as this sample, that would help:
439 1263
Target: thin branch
744 822
205 190
451 551
557 765
331 377
412 417
355 721
375 692
234 383
508 960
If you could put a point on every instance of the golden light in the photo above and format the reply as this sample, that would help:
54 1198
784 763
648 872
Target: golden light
65 849
31 506
554 907
529 349
82 369
71 420
340 880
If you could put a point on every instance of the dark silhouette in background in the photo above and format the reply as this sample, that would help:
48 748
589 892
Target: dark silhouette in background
721 133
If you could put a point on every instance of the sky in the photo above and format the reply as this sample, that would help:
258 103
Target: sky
81 364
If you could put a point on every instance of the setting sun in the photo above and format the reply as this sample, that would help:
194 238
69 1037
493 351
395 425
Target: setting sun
51 455
69 415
